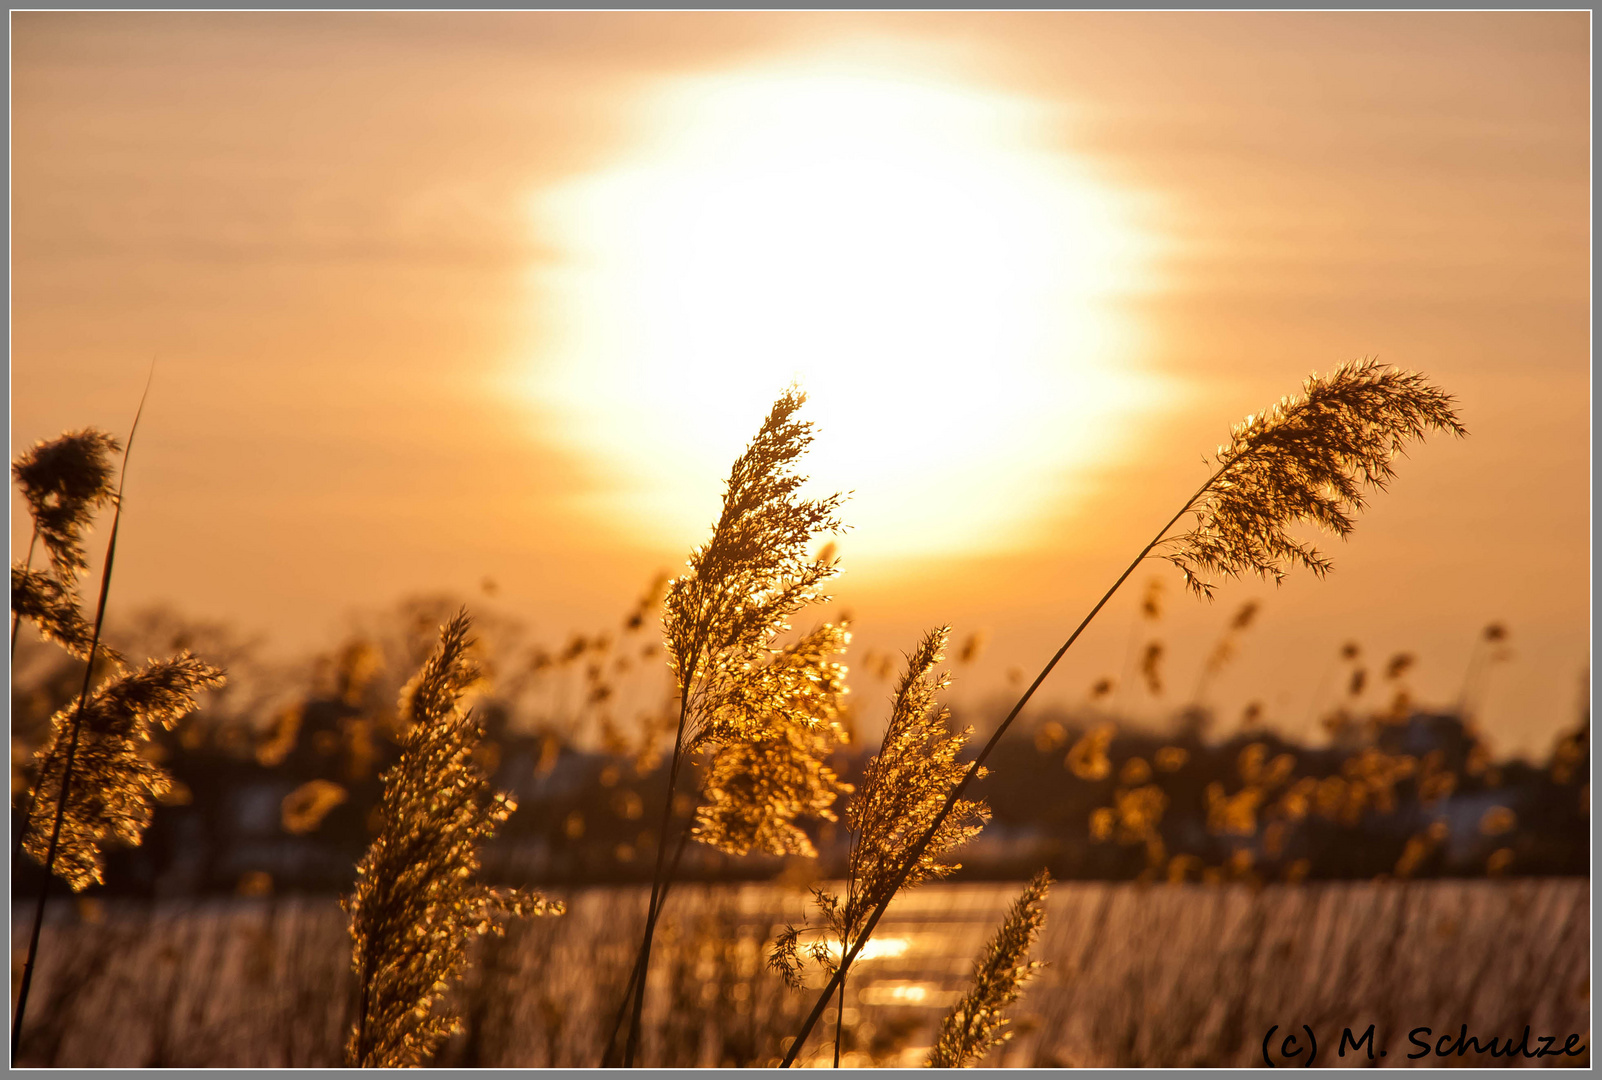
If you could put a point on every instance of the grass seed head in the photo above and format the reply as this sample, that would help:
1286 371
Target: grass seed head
975 1024
903 789
415 908
53 610
114 785
64 481
722 615
1312 458
771 764
905 786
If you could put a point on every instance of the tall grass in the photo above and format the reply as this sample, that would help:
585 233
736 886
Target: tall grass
415 908
975 1026
1311 459
902 789
719 622
1166 976
102 736
64 481
756 727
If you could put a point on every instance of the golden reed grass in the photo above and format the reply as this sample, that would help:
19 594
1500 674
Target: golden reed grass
719 622
976 1024
903 788
63 482
1310 459
416 908
114 786
52 608
770 762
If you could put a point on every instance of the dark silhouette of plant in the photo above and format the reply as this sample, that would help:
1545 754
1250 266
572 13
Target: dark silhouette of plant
62 482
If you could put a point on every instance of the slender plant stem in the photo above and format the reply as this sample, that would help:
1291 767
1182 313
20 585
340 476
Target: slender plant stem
623 1009
632 1045
916 851
72 744
28 797
16 620
839 1018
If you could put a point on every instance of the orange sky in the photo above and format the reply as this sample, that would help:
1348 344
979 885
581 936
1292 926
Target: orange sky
326 228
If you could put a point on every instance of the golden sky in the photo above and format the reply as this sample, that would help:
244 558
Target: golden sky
441 297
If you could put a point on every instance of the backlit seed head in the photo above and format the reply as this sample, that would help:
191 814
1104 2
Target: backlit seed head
64 481
1312 459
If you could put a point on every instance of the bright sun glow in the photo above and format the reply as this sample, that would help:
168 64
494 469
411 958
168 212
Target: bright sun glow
938 279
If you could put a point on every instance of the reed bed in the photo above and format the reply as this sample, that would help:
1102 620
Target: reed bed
1167 975
1123 975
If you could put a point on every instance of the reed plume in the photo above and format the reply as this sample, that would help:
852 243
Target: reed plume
64 481
1310 459
720 618
303 810
767 764
904 788
415 907
772 765
114 786
974 1026
1307 459
744 583
53 609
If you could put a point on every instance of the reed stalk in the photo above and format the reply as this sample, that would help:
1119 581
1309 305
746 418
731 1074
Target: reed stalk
626 1005
1307 459
902 788
839 1020
658 892
720 619
415 907
72 746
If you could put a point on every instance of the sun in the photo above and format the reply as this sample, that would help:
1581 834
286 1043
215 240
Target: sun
942 282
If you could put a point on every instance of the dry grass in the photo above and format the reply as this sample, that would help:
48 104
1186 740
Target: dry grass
1180 976
417 908
1167 975
976 1024
112 795
1310 459
903 788
719 623
64 481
